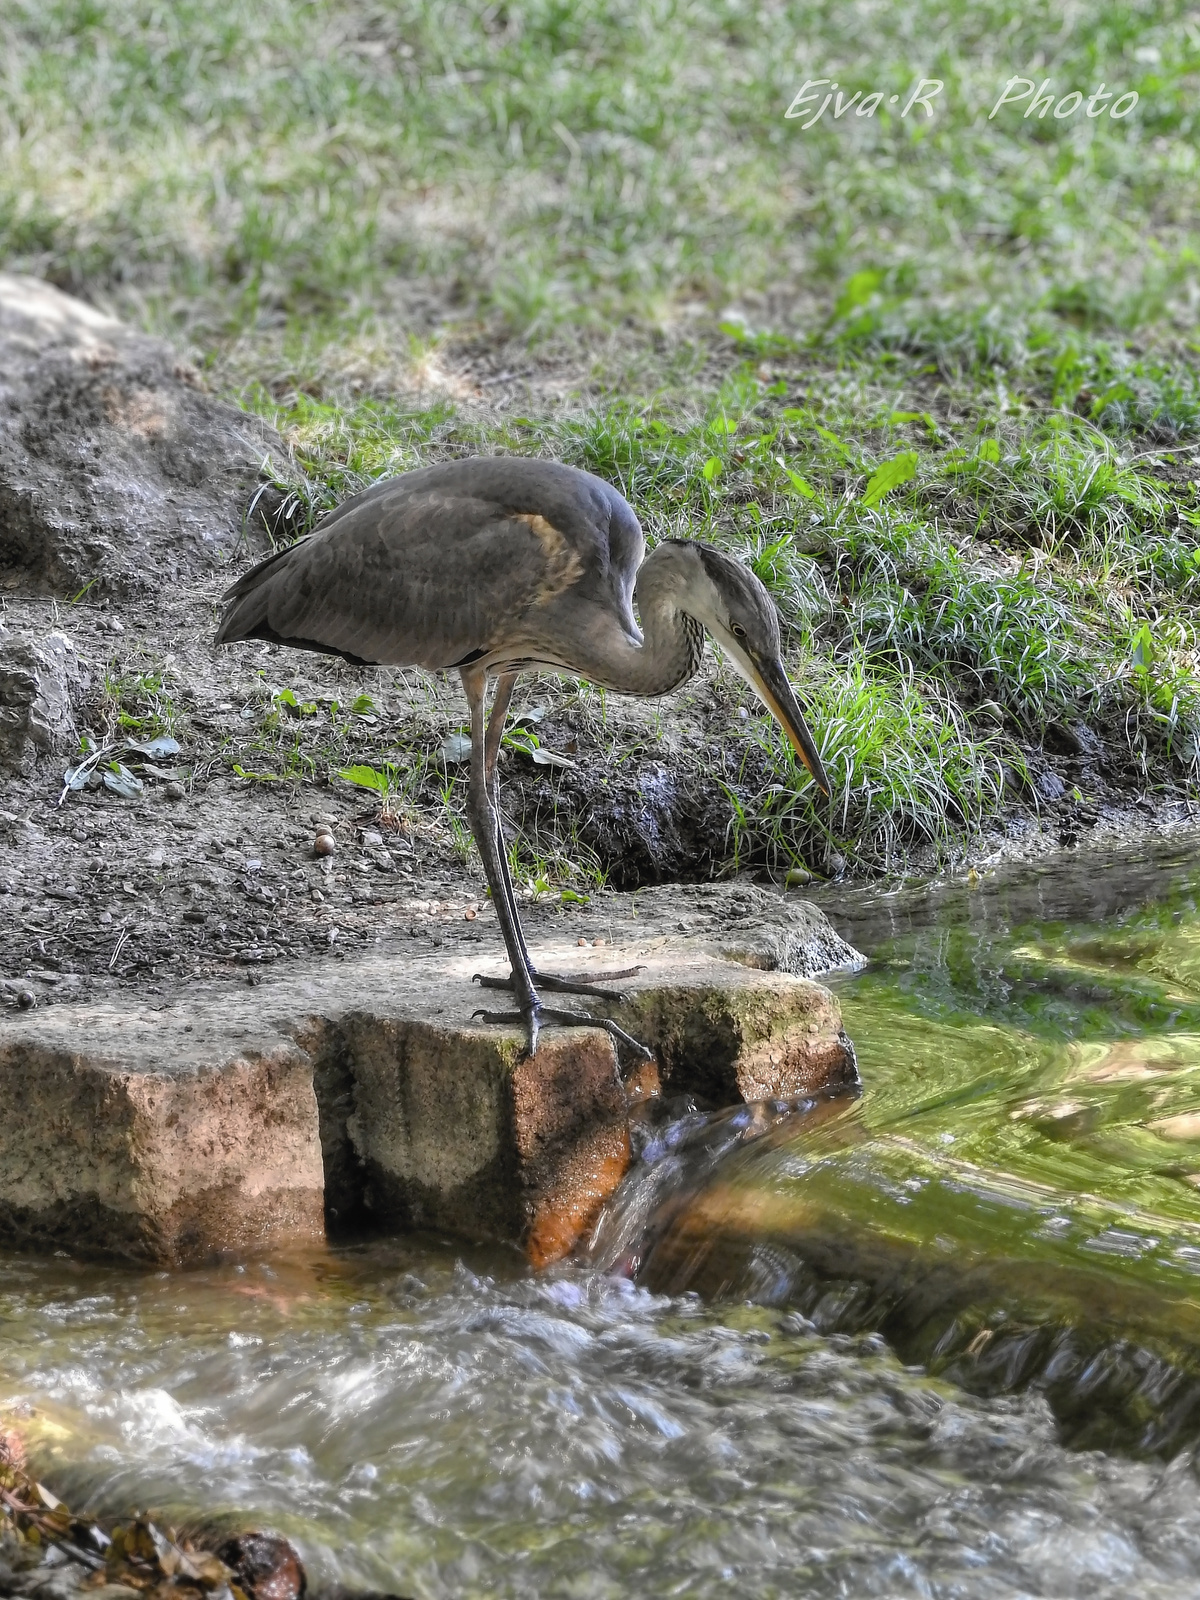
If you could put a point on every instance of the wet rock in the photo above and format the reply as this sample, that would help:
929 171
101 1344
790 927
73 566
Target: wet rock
41 680
1049 785
264 1566
834 863
116 468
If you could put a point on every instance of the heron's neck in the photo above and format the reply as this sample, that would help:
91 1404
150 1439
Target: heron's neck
672 639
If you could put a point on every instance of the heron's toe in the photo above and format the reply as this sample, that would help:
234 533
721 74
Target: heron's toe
531 1020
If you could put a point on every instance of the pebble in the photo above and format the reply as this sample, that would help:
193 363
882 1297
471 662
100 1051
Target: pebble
835 863
797 877
106 918
26 999
155 858
323 844
174 791
372 838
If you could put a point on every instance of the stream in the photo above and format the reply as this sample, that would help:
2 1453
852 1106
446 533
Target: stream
941 1339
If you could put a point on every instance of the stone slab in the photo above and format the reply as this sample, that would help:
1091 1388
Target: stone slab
365 1097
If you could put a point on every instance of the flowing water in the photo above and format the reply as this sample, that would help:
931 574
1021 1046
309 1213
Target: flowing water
939 1340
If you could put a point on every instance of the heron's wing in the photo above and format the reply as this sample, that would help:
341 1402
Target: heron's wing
410 574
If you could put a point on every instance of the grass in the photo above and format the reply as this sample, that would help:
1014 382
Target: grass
936 379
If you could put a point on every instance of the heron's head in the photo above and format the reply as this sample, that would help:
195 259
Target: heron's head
735 607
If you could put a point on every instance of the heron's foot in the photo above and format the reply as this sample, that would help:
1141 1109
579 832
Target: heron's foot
537 1014
564 982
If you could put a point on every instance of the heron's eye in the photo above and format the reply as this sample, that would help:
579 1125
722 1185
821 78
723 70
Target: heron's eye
737 630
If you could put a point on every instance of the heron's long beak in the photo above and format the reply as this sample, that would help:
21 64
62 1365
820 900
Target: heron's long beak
770 683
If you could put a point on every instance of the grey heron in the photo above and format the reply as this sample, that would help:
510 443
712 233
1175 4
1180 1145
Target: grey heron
501 565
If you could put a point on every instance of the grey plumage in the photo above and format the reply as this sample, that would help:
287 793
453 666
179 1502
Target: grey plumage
496 565
514 532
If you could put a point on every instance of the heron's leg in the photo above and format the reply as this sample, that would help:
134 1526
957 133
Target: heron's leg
485 826
491 750
556 983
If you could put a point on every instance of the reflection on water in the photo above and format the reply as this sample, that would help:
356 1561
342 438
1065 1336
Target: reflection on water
1013 1203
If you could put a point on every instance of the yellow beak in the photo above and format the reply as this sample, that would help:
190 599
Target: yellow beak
770 683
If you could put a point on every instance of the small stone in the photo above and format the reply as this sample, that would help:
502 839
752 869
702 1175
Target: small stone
323 844
105 918
371 837
26 999
797 877
254 865
835 863
155 858
174 791
265 1566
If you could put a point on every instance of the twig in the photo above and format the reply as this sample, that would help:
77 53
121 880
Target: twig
122 940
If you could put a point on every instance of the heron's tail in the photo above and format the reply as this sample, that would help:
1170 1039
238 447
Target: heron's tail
248 599
250 603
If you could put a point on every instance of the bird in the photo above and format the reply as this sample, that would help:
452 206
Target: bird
494 566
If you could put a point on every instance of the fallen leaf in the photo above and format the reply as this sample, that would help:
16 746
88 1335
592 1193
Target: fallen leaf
454 749
122 782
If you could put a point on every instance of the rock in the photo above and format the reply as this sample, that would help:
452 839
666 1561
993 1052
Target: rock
122 1139
227 1120
174 791
834 863
265 1566
743 923
1049 785
40 681
115 465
